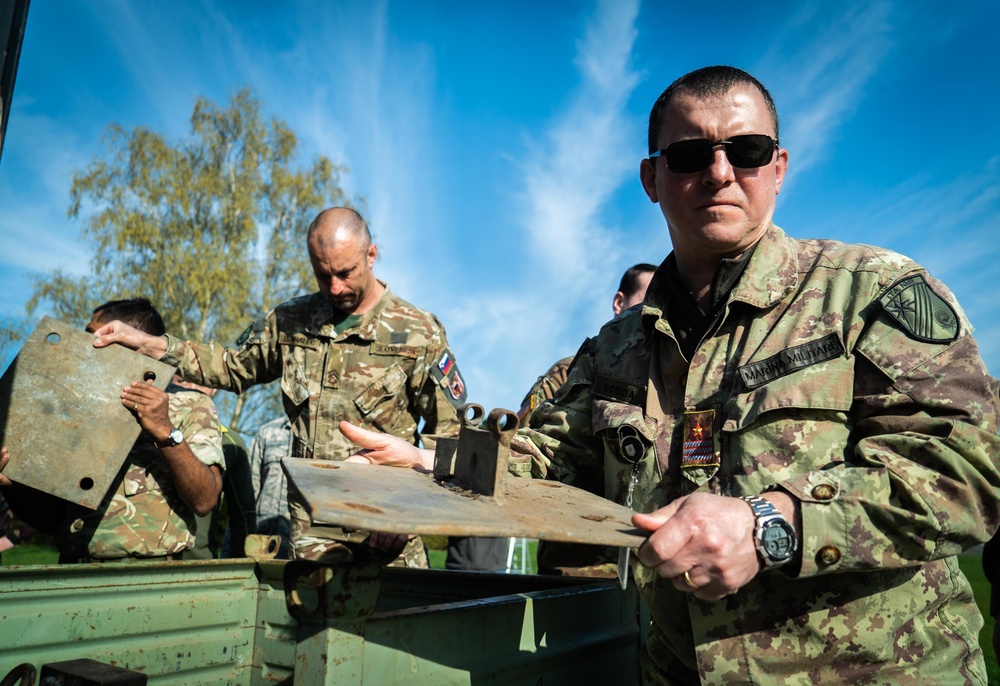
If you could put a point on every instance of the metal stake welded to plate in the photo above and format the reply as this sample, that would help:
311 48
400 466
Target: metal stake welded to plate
477 459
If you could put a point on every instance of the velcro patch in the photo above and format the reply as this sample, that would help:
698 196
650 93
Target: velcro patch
699 440
410 351
919 311
610 388
251 334
445 373
757 374
399 337
456 386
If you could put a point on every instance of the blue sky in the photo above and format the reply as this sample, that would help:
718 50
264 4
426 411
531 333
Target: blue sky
498 144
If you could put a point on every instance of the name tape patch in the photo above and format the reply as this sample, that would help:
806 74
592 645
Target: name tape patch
610 388
757 374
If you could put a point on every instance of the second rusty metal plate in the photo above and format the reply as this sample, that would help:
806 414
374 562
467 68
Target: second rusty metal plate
61 415
393 499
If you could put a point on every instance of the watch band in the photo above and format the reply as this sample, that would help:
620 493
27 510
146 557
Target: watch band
773 536
173 438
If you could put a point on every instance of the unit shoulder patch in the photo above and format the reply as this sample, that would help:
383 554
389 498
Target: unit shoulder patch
446 374
920 312
251 334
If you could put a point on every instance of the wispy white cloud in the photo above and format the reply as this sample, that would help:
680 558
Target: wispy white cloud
35 233
819 83
520 325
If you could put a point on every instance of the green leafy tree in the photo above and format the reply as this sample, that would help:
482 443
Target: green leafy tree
210 228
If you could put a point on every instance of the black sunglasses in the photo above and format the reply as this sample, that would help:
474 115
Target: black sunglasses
744 152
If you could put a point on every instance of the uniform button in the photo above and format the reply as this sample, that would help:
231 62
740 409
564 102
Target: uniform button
77 525
828 555
824 492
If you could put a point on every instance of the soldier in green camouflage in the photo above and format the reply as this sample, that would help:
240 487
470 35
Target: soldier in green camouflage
807 426
353 350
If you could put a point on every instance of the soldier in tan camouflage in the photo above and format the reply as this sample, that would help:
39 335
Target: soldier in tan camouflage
353 350
173 472
807 425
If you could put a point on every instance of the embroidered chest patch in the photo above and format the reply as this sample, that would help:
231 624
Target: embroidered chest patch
757 374
699 440
610 388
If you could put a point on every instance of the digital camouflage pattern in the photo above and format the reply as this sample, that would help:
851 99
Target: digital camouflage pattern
143 516
890 446
272 443
385 372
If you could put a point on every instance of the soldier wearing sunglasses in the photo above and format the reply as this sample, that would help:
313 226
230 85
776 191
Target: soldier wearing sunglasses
805 428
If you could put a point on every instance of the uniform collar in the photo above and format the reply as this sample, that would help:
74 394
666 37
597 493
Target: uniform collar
771 273
321 318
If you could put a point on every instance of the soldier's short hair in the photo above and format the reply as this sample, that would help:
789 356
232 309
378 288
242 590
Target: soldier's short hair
703 83
136 312
629 285
349 218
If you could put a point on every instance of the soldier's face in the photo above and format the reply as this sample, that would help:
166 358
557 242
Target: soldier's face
722 210
344 272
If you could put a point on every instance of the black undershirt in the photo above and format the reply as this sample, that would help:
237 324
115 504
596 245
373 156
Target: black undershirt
688 321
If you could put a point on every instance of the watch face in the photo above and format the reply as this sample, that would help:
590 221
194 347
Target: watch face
778 540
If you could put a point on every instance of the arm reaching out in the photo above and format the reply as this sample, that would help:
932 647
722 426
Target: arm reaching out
123 334
380 448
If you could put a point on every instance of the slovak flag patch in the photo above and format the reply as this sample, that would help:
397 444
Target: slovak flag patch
445 363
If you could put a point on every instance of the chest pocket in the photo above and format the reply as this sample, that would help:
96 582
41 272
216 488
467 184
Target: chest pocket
298 360
800 422
387 385
822 388
145 471
630 457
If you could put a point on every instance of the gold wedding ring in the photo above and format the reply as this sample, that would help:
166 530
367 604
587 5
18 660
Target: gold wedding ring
687 580
135 408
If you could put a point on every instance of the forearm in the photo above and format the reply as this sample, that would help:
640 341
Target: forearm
217 366
197 484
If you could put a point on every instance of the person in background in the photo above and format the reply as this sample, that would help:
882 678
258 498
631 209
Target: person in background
352 350
272 443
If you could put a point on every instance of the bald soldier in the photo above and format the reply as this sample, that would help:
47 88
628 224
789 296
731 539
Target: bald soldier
352 350
805 428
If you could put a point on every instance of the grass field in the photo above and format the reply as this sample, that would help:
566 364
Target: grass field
33 554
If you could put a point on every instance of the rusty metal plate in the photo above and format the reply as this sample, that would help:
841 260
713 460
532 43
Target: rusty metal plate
392 499
61 415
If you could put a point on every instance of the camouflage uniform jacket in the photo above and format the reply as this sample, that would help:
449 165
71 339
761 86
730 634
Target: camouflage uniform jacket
272 442
384 373
845 376
143 516
545 387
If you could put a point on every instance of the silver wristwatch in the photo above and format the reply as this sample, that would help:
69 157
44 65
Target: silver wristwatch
773 536
173 438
